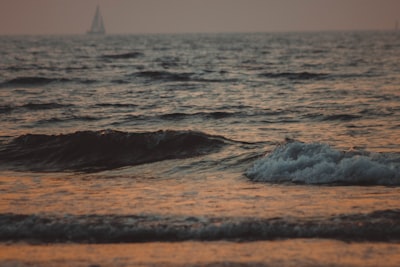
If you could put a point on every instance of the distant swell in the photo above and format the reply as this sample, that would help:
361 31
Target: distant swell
41 81
33 107
295 75
102 150
32 81
128 55
174 76
164 75
205 115
333 117
313 75
376 226
316 163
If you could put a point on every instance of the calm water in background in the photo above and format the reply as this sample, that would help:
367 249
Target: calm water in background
227 145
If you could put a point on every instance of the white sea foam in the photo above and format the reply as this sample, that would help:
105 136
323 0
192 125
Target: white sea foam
315 163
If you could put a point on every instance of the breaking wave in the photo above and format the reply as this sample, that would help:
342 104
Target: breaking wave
375 226
316 163
101 150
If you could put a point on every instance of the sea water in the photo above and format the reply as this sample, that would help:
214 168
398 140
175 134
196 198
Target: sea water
261 149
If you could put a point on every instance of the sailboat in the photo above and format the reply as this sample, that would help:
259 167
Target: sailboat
97 24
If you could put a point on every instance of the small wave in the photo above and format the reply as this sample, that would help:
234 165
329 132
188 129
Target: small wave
44 106
341 117
33 107
316 163
315 75
115 105
32 81
6 109
375 226
206 115
295 75
168 61
67 119
333 117
128 55
171 76
41 81
164 75
102 150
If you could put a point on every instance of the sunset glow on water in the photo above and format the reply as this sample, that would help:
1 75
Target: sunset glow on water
200 150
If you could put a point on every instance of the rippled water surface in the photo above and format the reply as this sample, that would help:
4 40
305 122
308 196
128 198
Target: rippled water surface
215 142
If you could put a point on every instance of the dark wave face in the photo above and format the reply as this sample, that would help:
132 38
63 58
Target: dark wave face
316 163
375 226
89 151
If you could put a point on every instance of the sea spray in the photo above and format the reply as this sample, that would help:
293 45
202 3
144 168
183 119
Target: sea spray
316 163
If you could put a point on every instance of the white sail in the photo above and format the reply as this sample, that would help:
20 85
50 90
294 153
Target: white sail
97 23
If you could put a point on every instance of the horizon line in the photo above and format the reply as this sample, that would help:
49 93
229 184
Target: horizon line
201 32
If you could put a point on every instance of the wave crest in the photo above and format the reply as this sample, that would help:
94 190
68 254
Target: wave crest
316 163
102 150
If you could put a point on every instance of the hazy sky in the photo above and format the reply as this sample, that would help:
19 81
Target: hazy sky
176 16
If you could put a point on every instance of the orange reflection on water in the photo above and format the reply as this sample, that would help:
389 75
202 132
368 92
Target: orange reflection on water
298 252
124 194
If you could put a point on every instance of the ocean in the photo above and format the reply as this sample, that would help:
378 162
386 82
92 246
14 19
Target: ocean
256 149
